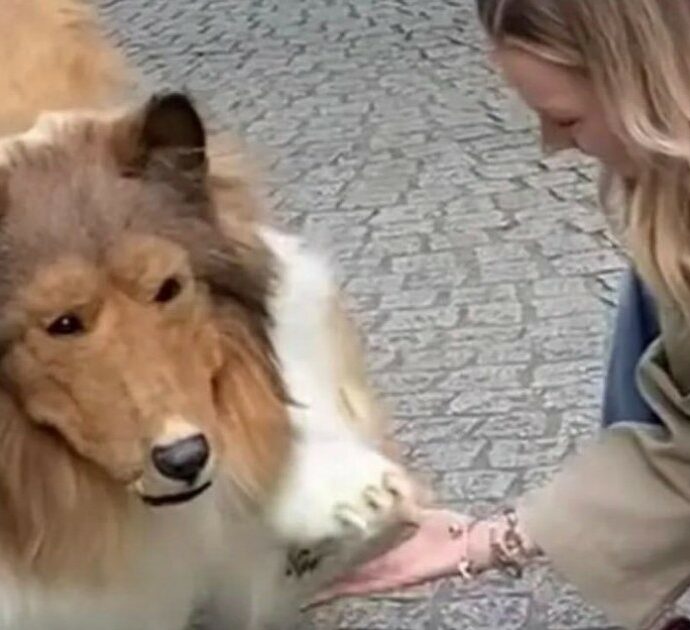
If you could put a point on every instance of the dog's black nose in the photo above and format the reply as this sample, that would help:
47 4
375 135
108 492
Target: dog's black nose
182 460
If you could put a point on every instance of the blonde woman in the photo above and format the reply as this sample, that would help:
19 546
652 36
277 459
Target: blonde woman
611 78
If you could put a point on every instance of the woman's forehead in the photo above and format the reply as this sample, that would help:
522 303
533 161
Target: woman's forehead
542 84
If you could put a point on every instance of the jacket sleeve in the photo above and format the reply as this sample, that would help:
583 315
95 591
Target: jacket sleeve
616 520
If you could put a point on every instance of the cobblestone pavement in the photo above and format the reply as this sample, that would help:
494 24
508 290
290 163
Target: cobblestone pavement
481 273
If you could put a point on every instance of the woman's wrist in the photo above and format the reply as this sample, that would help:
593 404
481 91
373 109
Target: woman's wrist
495 543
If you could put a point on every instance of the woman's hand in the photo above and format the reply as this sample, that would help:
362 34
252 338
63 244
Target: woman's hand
433 552
445 544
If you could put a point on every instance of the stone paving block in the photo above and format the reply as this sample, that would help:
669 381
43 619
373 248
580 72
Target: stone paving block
442 357
524 424
475 485
437 430
554 287
457 240
588 263
574 395
486 377
492 402
439 278
511 271
563 306
505 353
572 348
483 293
447 456
495 313
486 613
522 454
558 244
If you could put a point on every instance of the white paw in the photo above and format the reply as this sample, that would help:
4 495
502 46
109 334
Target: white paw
341 494
384 501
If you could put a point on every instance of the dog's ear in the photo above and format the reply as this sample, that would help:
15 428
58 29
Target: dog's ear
165 138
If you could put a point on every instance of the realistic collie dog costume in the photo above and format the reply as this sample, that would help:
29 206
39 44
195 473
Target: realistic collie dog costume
185 420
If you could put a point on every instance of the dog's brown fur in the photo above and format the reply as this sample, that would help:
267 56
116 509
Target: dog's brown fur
93 222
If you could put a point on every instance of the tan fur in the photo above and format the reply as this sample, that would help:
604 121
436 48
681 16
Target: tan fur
68 64
256 435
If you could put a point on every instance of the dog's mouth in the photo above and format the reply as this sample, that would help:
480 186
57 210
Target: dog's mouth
175 499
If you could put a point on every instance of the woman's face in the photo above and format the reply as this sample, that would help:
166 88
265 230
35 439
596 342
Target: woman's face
569 111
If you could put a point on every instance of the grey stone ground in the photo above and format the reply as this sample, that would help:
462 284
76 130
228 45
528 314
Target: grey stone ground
481 273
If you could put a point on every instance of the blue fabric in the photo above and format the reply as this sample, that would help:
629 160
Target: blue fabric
635 328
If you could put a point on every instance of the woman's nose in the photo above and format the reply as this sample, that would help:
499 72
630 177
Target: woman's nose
555 137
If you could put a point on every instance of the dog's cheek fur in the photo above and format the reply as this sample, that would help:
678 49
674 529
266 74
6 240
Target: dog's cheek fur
253 420
62 519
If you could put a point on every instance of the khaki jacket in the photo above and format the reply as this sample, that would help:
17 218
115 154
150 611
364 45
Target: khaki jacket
616 520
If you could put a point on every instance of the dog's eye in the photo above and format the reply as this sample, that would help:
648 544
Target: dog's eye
68 324
168 291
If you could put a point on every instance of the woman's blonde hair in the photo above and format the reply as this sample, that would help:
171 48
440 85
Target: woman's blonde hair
635 53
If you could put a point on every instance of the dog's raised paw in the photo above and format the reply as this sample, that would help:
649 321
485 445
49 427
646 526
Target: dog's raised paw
388 502
344 493
361 522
